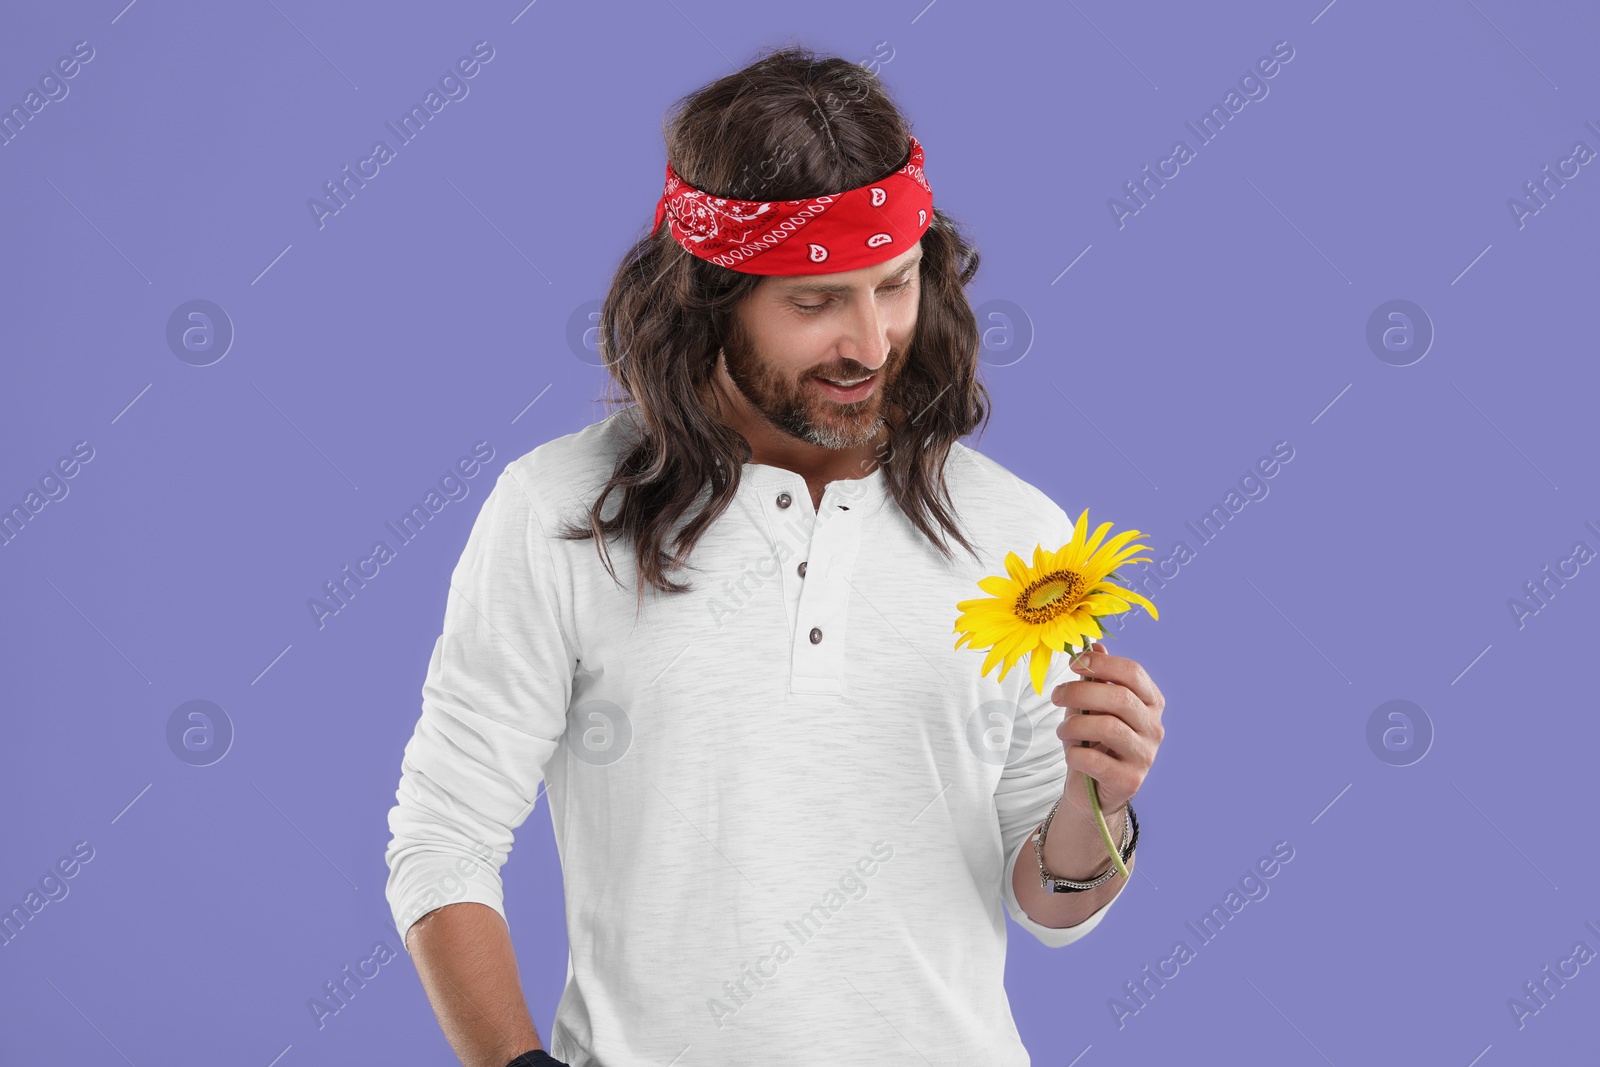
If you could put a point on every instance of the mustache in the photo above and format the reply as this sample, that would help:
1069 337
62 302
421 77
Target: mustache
856 370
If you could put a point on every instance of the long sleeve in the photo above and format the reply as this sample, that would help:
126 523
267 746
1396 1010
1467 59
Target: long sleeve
1030 784
494 706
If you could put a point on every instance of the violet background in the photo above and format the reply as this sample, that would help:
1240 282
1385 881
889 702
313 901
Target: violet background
438 309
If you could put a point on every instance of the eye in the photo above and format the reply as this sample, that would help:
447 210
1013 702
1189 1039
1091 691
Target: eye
812 309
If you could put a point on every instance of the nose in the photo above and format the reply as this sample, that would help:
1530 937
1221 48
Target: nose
867 341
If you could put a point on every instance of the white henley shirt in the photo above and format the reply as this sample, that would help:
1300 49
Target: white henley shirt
786 807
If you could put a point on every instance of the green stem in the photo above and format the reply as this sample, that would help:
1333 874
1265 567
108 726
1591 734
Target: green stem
1099 816
1105 831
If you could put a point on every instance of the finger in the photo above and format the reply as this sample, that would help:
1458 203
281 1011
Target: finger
1115 701
1119 778
1107 699
1090 694
1093 762
1106 730
1102 665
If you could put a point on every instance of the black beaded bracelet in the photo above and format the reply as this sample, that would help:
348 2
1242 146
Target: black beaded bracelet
536 1058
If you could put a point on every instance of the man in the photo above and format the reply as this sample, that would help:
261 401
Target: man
791 818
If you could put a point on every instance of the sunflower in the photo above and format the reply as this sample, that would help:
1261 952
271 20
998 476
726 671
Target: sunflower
1051 605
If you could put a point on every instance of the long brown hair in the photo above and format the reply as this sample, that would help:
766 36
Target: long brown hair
791 125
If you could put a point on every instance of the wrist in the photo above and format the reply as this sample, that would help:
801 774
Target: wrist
1073 847
1083 822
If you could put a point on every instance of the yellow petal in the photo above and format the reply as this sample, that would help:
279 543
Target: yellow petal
1128 555
1111 547
1005 667
1058 631
992 607
1004 651
1091 629
1094 542
1016 568
1038 667
981 627
1129 595
995 585
1104 604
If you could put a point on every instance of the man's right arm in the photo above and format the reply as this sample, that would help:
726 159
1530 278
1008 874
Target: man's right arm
463 954
494 706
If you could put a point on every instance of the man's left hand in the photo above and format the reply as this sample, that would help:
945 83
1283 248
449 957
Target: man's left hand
1121 725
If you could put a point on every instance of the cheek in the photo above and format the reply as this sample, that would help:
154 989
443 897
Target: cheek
785 345
904 325
797 353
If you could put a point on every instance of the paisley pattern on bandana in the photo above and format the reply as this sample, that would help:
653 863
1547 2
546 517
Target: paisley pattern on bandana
841 231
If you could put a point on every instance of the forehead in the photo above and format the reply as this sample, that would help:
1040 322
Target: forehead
844 281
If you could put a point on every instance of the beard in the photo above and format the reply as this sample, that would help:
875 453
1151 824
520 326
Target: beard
799 409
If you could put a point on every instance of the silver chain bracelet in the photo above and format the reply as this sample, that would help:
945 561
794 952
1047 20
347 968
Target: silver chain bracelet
1052 884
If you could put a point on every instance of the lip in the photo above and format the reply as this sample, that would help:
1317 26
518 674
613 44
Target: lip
860 392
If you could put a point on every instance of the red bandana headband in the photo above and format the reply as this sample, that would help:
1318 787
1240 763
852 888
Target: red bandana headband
823 235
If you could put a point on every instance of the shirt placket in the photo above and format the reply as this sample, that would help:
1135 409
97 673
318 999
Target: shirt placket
817 587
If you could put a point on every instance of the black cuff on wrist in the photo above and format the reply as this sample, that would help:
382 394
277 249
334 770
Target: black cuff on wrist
536 1058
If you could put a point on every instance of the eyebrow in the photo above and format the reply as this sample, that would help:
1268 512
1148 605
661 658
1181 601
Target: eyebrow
821 287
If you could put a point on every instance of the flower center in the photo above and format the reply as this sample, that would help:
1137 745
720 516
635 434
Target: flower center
1048 597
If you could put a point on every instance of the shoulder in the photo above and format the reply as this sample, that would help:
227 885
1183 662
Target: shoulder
989 494
565 473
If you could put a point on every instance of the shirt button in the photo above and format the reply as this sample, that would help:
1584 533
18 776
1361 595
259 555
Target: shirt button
816 636
784 500
802 568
